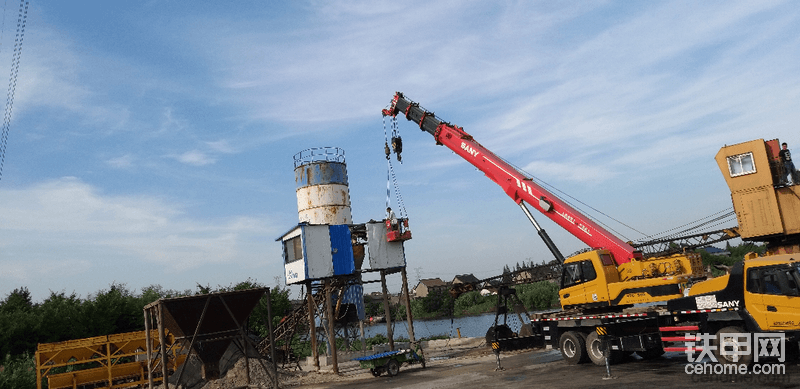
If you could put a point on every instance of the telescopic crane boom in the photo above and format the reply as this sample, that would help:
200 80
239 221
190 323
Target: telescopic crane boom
613 273
515 184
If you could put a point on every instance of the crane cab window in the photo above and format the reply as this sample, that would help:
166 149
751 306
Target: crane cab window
577 272
741 164
782 281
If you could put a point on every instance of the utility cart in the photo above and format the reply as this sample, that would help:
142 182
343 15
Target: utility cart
390 361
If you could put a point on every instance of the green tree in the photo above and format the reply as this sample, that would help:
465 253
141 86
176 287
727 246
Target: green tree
62 317
538 295
472 303
113 311
18 372
19 324
372 308
17 300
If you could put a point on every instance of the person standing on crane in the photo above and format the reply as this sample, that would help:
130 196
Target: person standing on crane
788 165
392 218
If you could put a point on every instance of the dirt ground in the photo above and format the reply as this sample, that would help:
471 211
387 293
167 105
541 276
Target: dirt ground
475 366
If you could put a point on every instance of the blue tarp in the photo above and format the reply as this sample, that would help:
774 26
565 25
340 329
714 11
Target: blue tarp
381 355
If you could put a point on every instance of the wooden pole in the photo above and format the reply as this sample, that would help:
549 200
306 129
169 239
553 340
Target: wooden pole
387 310
407 303
162 340
312 326
409 315
363 338
149 341
331 327
38 372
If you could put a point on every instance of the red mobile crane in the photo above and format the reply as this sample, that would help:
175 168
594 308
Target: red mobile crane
734 307
614 273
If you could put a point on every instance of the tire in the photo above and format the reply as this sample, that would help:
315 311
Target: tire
597 357
375 373
392 368
593 349
573 347
724 340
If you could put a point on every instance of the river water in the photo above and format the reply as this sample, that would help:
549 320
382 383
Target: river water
470 327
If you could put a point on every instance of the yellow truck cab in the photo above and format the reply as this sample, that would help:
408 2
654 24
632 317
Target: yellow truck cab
759 295
769 296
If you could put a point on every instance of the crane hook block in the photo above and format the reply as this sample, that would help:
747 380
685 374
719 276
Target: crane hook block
397 232
397 145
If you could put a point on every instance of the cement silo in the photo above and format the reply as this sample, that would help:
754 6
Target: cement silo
323 196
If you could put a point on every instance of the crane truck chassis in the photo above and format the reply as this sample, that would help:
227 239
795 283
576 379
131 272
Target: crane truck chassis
751 312
758 300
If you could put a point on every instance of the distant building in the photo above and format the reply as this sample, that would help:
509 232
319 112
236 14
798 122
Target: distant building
374 297
490 287
465 279
522 276
427 286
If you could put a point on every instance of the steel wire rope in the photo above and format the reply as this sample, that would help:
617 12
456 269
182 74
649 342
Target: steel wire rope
22 20
531 176
729 213
391 177
622 223
724 217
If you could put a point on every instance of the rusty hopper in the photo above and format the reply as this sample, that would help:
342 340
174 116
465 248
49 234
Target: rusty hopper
208 322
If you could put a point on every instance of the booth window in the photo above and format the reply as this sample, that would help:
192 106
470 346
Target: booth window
294 249
741 164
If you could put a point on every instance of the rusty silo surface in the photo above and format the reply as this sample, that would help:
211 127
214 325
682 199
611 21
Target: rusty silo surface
323 196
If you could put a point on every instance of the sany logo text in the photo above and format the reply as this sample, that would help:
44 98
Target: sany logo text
469 149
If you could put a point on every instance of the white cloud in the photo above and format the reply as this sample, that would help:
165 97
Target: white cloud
122 162
222 146
68 228
195 158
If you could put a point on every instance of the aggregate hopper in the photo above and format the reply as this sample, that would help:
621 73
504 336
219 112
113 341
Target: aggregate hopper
208 323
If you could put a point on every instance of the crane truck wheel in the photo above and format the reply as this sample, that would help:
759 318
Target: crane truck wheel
596 355
573 347
727 339
593 350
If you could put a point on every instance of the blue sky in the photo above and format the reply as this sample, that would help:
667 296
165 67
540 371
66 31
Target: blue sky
152 142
